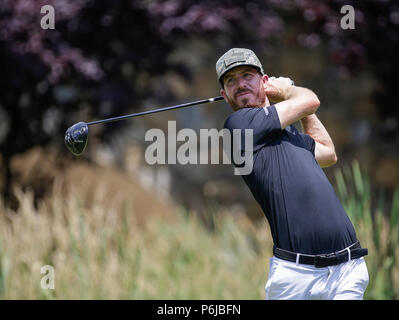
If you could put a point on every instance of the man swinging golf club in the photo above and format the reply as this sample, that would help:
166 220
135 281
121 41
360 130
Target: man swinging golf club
316 253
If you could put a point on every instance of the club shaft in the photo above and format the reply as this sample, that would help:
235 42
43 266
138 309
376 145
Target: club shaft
183 105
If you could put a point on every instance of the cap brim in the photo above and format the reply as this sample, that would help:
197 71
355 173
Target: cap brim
238 65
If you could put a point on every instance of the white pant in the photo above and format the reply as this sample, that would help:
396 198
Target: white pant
288 280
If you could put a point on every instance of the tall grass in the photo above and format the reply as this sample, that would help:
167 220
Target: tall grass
99 252
377 226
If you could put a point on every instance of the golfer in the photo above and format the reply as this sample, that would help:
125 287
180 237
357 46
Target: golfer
316 254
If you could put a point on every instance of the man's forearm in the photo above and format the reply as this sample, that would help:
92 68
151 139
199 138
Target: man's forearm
314 128
297 103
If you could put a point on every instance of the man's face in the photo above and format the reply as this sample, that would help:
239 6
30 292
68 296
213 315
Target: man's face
244 87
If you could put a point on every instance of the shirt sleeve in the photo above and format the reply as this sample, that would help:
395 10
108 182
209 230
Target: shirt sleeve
263 122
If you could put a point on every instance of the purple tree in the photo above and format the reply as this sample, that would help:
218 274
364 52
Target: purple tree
92 62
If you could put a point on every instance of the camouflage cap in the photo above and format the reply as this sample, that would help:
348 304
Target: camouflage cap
236 57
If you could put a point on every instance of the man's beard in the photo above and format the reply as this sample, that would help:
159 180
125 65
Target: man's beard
258 102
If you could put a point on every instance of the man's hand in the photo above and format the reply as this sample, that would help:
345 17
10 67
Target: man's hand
278 89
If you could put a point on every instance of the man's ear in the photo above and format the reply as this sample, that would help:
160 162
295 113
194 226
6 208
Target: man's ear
265 79
223 93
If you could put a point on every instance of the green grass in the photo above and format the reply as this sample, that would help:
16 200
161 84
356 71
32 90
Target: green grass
99 252
377 226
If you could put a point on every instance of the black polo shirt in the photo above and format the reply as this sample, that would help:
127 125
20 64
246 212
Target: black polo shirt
300 204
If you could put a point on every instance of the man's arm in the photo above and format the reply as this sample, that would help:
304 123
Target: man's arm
296 103
293 103
324 149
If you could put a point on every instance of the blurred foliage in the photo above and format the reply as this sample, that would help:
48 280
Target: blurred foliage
99 252
105 57
377 226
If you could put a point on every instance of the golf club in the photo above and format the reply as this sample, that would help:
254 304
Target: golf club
76 136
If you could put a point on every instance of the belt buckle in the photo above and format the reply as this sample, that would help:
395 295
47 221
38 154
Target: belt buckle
320 261
325 260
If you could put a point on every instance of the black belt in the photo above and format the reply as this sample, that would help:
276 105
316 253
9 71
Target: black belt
354 251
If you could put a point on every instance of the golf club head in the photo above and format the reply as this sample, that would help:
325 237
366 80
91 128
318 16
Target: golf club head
76 138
